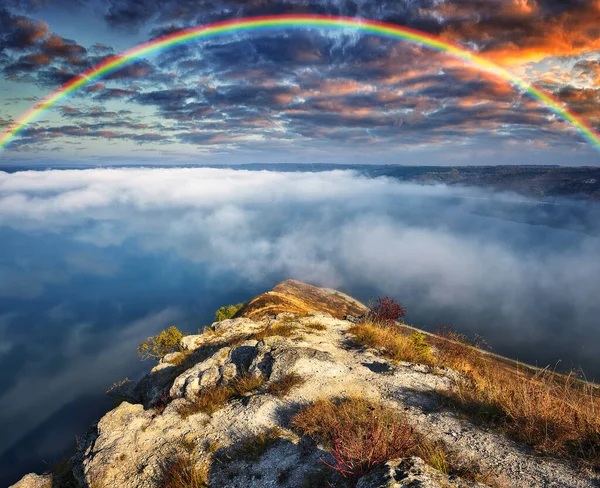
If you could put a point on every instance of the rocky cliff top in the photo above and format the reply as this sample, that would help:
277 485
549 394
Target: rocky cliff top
295 297
266 400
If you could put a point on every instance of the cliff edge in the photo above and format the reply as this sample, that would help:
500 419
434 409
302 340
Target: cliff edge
274 397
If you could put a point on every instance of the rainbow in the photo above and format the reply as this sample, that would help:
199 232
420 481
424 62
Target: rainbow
252 24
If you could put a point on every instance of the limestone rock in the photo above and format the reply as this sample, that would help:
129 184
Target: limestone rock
172 357
34 481
191 342
411 473
227 324
205 374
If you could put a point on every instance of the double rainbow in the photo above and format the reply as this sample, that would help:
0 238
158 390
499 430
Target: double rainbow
251 24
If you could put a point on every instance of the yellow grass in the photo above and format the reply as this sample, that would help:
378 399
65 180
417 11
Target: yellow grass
284 329
393 344
555 414
182 471
285 384
246 383
212 399
316 326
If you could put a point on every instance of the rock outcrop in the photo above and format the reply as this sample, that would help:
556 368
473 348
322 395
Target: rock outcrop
295 297
247 440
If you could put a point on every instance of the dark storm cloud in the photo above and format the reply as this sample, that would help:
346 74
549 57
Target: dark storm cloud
179 104
53 77
135 13
278 55
5 122
506 30
35 5
589 70
149 137
583 101
19 32
96 131
30 52
130 14
114 94
28 63
250 96
94 112
99 48
137 69
59 47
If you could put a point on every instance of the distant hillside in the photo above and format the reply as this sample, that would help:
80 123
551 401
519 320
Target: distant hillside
532 181
543 182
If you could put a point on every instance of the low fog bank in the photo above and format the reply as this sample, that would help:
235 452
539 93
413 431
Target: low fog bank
437 249
117 254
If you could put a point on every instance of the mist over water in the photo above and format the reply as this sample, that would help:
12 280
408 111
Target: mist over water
94 261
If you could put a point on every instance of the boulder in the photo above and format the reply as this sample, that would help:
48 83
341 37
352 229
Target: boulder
34 481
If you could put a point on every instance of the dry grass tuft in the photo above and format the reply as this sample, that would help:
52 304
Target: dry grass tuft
253 447
555 414
208 401
179 359
284 329
392 343
317 419
316 326
183 471
439 456
212 399
285 384
246 383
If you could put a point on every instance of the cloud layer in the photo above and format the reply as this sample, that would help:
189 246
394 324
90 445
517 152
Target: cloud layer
455 250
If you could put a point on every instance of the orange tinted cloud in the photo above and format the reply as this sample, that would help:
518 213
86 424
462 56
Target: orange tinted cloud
344 87
520 31
57 46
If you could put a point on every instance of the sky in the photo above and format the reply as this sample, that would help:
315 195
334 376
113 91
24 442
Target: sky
301 96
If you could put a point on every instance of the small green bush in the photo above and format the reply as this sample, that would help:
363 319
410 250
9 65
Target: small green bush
158 346
419 342
227 312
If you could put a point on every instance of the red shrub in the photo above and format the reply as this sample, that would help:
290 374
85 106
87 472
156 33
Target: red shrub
386 311
356 451
162 402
